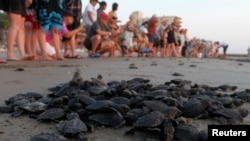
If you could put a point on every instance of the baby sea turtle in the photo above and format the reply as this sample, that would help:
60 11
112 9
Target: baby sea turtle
227 88
112 118
244 95
132 115
148 121
195 107
132 66
153 63
73 126
85 100
230 116
177 74
51 114
187 131
48 137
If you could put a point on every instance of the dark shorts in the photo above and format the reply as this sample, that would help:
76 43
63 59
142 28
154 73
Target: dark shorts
49 14
161 43
152 38
14 6
87 43
225 48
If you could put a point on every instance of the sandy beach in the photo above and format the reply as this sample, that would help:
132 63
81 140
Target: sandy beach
38 76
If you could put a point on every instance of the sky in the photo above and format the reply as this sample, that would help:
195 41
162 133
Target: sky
216 20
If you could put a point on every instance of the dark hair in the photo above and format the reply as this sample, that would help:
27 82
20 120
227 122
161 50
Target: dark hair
114 6
123 39
102 3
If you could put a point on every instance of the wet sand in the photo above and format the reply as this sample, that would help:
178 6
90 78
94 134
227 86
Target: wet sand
38 76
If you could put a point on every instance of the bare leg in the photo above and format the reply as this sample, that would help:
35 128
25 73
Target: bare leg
42 41
57 43
66 48
73 45
12 34
20 37
34 43
28 36
95 42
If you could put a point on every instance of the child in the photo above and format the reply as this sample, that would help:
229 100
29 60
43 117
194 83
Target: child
124 47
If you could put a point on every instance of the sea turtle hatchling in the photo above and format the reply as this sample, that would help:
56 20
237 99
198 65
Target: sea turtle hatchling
48 137
73 126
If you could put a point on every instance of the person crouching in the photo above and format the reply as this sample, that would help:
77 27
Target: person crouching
98 37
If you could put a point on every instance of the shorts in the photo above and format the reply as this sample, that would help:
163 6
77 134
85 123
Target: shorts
88 44
129 38
225 48
161 43
145 50
50 50
49 14
31 22
152 38
14 6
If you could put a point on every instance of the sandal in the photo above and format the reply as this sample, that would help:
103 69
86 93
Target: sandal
75 57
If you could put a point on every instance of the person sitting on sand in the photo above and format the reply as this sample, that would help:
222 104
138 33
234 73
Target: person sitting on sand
98 39
144 48
135 47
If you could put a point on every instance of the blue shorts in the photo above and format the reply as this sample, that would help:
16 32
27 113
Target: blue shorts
145 50
49 14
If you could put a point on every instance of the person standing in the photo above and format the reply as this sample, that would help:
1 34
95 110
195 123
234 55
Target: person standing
31 31
50 19
152 36
129 30
90 14
75 7
16 12
102 8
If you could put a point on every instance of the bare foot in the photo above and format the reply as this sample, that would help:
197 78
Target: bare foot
46 58
3 61
28 58
60 58
11 58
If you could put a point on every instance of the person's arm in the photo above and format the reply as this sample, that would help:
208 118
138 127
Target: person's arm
90 16
73 32
103 33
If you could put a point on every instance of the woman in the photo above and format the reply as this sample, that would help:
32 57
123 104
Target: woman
172 41
129 31
16 12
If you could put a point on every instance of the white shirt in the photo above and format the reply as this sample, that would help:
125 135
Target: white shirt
86 19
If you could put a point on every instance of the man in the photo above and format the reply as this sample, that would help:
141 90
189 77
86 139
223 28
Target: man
224 46
97 40
90 14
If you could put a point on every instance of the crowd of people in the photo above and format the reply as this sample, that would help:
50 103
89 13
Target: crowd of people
40 27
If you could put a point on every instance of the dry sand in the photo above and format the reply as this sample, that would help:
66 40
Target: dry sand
40 75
